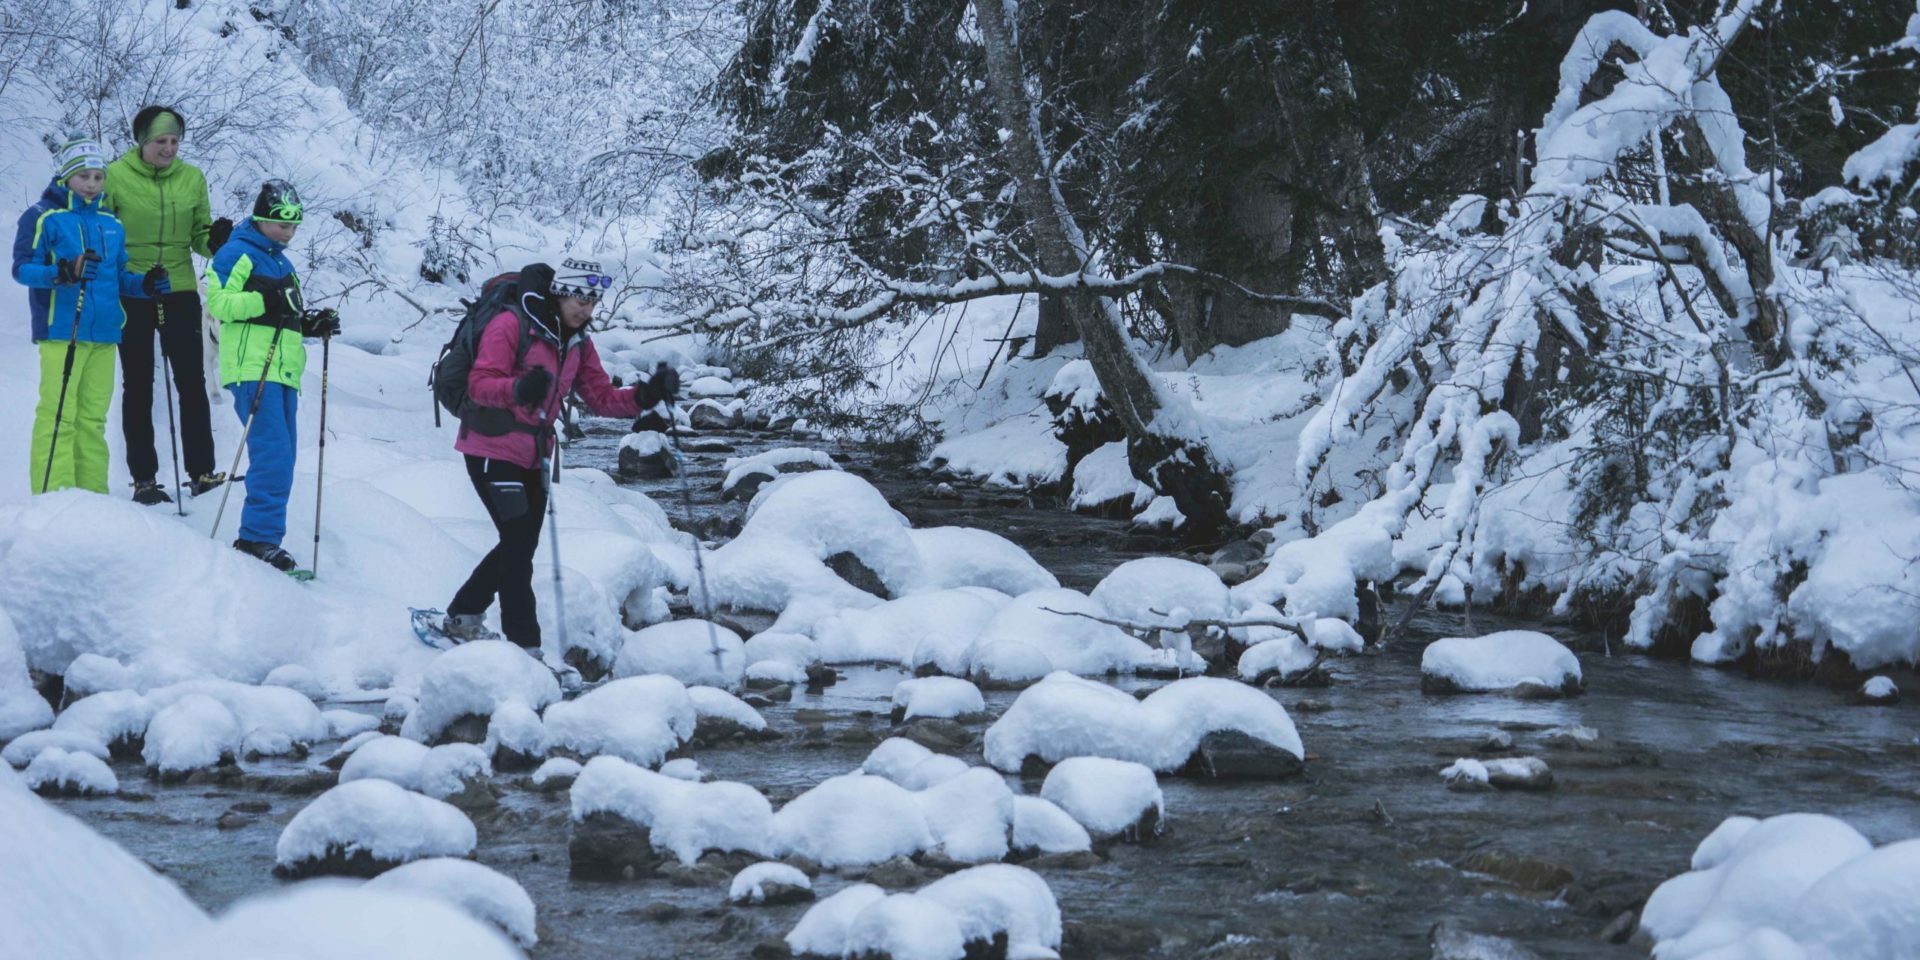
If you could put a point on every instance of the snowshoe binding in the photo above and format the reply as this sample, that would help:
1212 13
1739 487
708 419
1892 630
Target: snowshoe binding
206 483
273 556
441 630
150 494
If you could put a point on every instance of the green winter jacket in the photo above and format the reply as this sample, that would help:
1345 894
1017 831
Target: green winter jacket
165 212
246 344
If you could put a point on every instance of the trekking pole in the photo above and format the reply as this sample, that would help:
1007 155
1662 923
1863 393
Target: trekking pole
320 479
548 467
166 377
66 372
699 564
252 409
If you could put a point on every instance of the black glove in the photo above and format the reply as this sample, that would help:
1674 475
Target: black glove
532 386
274 295
320 323
218 233
665 382
86 266
156 283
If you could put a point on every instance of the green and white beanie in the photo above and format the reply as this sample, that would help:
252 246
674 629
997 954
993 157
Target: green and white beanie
77 154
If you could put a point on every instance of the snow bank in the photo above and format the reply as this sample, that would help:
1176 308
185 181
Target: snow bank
749 885
942 697
72 893
1105 796
683 817
690 651
330 919
638 719
480 892
475 679
439 772
1499 661
373 825
1065 716
78 773
852 820
21 706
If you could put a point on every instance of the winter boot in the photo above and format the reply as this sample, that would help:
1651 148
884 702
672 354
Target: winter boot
204 483
150 494
271 554
467 627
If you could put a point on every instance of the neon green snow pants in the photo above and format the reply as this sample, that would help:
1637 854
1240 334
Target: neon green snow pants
81 459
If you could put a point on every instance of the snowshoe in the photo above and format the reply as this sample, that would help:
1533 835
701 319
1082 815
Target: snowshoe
202 485
443 631
150 494
569 677
272 556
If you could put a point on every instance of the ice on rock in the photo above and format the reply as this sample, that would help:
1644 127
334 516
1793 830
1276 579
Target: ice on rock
22 749
342 724
192 733
1066 716
752 884
1497 662
638 719
852 820
1146 591
439 772
366 827
328 920
476 679
683 818
60 773
1058 624
91 673
1040 826
481 892
1749 876
72 893
822 931
117 718
952 557
21 707
890 632
713 704
940 697
1108 797
685 651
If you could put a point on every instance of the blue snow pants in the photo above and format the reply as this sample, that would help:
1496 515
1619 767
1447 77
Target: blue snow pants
270 448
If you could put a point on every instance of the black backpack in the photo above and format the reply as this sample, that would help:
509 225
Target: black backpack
448 378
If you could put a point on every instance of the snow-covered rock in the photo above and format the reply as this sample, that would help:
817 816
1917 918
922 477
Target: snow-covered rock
273 720
1876 692
638 719
326 920
367 827
690 651
1501 773
948 698
905 763
954 557
516 737
22 749
960 915
473 680
1007 664
557 773
91 673
117 718
852 820
893 632
57 772
795 649
342 724
746 475
21 707
905 927
646 455
1065 716
970 814
72 893
1862 909
721 715
822 931
684 768
297 678
711 386
1747 874
1517 660
1040 826
1110 798
481 892
439 772
1156 591
1058 623
626 818
1282 657
770 882
194 732
795 525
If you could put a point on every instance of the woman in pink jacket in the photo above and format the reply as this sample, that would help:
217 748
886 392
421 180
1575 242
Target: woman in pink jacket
507 467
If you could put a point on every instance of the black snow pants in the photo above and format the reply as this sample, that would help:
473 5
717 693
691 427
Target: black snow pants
182 340
516 499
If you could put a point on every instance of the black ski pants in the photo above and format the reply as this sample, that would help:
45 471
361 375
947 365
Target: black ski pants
181 341
516 499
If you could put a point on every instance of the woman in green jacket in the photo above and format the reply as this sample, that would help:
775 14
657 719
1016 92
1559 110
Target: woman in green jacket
162 203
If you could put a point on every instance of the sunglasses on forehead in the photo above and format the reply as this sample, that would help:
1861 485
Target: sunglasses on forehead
588 280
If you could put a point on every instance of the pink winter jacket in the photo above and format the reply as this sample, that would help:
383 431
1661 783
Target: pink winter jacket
490 383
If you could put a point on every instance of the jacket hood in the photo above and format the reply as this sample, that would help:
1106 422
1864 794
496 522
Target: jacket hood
250 232
134 163
63 197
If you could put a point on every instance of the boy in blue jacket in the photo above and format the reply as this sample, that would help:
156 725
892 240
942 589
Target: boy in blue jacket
72 256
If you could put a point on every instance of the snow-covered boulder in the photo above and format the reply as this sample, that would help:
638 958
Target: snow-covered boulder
58 773
328 920
893 631
91 673
721 716
795 649
117 718
954 557
852 820
297 678
911 765
273 720
195 732
711 386
1060 625
439 772
1281 658
638 719
558 773
770 882
1501 773
711 414
71 892
1110 798
481 892
968 913
1876 692
1202 721
367 827
646 455
1040 826
21 707
947 698
626 820
1520 661
798 523
1006 664
684 768
22 749
905 927
970 814
690 651
1155 591
1748 874
342 724
1862 909
516 737
746 475
473 680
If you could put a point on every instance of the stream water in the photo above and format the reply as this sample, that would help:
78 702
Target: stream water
1358 858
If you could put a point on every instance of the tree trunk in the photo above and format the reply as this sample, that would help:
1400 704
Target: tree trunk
1053 328
1177 466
